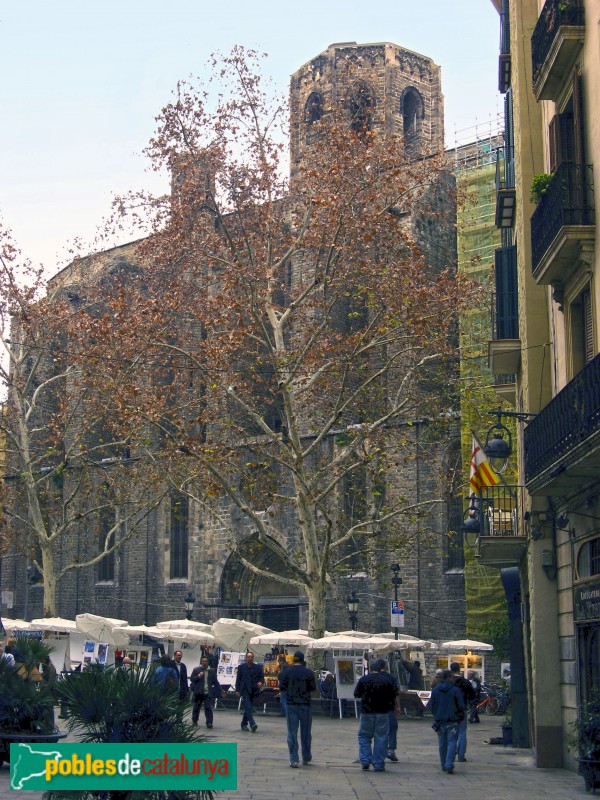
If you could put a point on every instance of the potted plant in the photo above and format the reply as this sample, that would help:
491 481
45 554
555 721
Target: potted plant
26 703
586 739
539 186
113 705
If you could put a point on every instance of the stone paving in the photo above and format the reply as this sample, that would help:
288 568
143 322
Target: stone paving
491 772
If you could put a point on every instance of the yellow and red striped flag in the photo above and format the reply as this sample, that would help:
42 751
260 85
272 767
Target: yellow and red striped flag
481 472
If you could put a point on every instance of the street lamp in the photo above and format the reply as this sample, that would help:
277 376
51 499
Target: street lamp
189 601
353 602
396 580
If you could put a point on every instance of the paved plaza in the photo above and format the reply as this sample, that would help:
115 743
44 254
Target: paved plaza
491 773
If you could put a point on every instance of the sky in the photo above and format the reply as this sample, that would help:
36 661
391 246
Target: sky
81 82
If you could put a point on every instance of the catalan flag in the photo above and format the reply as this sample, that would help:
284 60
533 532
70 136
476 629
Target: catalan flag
481 472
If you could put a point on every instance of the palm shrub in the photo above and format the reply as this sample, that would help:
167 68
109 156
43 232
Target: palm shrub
111 705
25 702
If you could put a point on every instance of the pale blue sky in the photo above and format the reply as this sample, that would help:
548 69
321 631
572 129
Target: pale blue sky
81 83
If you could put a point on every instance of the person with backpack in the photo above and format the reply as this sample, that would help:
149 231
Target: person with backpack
468 694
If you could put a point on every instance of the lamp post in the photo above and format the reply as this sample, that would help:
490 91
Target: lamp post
189 601
396 580
353 602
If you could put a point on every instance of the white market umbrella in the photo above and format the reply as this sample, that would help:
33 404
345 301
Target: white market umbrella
190 636
298 637
411 642
98 628
57 624
235 634
341 641
466 644
185 624
16 625
123 634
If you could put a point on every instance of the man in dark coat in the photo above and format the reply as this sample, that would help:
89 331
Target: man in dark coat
297 685
205 688
448 708
468 694
181 669
377 691
248 683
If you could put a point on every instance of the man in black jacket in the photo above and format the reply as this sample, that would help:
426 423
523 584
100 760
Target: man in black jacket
377 691
205 687
248 683
181 669
448 709
468 694
297 684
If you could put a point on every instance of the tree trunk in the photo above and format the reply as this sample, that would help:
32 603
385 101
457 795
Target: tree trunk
49 573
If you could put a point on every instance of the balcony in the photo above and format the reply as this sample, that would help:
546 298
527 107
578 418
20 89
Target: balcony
563 224
504 64
502 540
505 187
562 444
556 41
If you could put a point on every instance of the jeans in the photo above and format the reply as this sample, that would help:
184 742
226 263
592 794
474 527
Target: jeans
299 716
208 708
375 727
248 718
393 734
447 738
283 702
474 711
461 747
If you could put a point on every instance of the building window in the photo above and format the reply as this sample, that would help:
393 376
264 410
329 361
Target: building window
412 110
582 331
313 110
179 536
106 538
588 559
360 104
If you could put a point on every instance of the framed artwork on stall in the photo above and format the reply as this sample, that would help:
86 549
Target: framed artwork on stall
102 653
143 659
346 671
132 654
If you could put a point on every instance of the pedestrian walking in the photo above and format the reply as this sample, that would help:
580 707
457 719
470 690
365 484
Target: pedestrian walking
205 688
393 722
476 684
468 694
297 683
248 683
166 674
181 670
448 708
377 692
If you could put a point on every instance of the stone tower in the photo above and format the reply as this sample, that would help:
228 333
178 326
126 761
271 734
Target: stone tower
377 86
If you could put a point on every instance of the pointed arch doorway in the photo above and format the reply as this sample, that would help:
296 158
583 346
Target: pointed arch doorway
259 598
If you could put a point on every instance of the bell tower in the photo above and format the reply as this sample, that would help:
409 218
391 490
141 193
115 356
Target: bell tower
373 86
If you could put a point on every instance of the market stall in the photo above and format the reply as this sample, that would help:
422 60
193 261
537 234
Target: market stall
468 653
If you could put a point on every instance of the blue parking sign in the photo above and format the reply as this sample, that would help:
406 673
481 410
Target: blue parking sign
397 613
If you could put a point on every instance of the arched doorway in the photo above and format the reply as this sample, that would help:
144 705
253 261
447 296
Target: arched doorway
256 597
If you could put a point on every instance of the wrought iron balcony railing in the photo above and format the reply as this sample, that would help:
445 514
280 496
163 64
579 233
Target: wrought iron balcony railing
497 519
566 422
569 200
555 14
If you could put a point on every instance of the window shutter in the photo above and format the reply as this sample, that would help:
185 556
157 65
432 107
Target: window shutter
588 325
562 140
578 119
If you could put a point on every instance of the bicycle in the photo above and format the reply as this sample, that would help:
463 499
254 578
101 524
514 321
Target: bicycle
495 700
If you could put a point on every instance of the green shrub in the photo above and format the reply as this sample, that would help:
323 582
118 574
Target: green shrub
539 186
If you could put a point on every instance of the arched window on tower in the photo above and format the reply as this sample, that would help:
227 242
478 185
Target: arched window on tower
413 110
313 109
360 105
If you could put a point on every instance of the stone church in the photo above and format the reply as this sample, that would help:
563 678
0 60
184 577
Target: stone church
385 87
